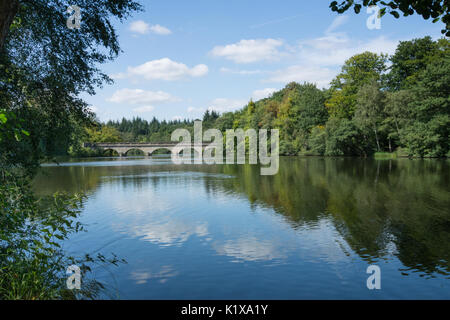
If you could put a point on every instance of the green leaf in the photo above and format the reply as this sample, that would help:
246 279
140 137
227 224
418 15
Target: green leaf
395 14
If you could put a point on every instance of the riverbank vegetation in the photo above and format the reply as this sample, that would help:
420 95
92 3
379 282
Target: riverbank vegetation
376 104
44 66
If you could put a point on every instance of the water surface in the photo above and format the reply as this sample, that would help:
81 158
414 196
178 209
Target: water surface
225 232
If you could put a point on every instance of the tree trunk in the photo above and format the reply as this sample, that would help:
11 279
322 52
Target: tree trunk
376 137
396 126
8 10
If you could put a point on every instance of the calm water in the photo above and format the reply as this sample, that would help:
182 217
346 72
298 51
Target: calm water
225 232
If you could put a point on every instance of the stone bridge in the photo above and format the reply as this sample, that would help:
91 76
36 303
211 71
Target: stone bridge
148 148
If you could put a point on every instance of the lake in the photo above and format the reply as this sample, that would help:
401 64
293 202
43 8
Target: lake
226 232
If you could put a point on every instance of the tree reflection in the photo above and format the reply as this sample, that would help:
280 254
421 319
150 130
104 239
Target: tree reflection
381 208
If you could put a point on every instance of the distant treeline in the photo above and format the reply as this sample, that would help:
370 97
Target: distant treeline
375 104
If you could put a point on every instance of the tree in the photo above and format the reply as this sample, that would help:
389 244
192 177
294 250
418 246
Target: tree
209 117
309 108
105 134
8 9
369 110
301 107
359 70
44 65
344 138
397 114
428 132
410 58
436 9
317 140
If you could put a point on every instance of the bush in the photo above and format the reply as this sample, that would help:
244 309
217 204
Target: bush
287 148
32 263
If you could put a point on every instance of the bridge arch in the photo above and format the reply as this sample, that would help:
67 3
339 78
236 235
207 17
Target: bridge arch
159 150
134 152
110 152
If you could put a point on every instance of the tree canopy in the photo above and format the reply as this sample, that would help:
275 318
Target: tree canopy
44 66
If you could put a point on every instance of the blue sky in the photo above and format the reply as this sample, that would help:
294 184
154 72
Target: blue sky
181 58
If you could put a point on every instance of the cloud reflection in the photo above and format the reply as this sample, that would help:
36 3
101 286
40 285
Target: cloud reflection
250 249
169 233
162 276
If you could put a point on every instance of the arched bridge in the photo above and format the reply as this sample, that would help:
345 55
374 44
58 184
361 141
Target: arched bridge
148 148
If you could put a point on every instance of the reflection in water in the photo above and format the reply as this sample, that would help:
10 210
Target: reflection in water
250 249
328 218
162 276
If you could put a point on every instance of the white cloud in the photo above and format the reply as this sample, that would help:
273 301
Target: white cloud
247 51
140 27
335 49
300 73
241 72
321 58
141 97
225 105
337 22
163 69
144 109
194 110
158 29
143 27
261 94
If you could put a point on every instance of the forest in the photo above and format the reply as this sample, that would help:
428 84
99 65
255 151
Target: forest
396 104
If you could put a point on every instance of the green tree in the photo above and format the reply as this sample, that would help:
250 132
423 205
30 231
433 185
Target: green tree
369 110
105 134
44 65
359 70
397 115
344 139
410 58
317 140
428 133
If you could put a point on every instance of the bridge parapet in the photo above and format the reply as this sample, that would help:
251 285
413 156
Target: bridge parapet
139 144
